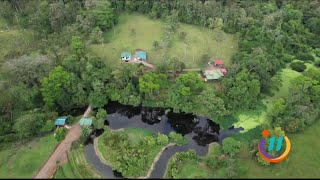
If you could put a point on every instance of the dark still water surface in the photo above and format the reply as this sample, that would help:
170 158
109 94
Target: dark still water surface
200 132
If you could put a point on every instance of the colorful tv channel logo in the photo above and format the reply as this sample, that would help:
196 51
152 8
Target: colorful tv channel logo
273 141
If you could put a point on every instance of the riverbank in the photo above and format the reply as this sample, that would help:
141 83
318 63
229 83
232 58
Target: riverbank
98 153
156 159
146 128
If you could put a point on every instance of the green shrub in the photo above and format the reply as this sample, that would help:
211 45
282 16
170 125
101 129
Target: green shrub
230 146
177 138
261 161
9 138
298 66
254 147
178 160
60 134
149 141
305 56
287 58
47 127
182 35
317 63
232 169
216 161
215 149
317 52
162 139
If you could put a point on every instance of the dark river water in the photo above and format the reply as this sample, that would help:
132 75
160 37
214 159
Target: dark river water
200 132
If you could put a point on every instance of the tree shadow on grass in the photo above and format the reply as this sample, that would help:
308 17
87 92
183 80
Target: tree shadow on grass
250 135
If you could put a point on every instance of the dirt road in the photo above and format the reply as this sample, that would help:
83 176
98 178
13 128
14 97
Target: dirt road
60 153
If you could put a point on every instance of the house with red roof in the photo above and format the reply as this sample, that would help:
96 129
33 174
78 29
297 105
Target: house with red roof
218 62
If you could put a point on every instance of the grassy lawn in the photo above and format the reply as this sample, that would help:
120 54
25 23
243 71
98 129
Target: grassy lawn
135 136
77 166
198 41
303 161
24 160
193 169
65 171
251 119
14 42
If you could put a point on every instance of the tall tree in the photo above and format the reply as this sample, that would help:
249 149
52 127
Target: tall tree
102 12
99 118
54 88
241 91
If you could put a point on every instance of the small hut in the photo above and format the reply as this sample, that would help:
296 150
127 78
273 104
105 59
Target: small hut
141 55
85 121
60 121
212 74
126 56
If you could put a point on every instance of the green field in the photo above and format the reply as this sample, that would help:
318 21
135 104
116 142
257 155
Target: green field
198 41
77 166
303 161
24 160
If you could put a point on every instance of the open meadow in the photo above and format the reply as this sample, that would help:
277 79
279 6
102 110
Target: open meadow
139 32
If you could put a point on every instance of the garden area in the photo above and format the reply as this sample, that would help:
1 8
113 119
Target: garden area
137 31
23 160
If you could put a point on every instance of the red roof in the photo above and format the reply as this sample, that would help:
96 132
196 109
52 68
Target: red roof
218 62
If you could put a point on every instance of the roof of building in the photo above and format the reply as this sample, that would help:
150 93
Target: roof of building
141 55
60 121
223 70
212 74
218 62
85 121
126 54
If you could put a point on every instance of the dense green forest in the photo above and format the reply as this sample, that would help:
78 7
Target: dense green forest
46 67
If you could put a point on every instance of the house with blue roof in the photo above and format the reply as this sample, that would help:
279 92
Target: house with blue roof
85 121
126 56
60 121
141 55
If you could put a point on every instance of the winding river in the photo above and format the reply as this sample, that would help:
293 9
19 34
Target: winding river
200 132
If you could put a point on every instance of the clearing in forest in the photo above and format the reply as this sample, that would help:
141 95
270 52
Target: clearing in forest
138 31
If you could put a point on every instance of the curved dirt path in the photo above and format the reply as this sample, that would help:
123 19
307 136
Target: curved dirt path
60 153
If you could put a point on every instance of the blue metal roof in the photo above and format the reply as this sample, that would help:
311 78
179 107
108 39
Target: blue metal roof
60 121
141 55
85 121
126 54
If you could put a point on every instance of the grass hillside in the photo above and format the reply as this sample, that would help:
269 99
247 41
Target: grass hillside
138 31
24 160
